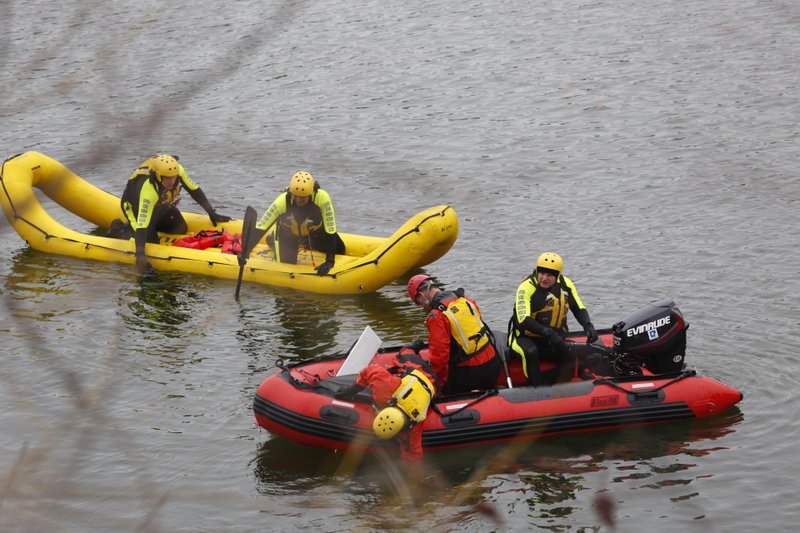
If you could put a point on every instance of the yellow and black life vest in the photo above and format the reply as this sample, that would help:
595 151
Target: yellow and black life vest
301 221
414 395
467 328
547 307
554 312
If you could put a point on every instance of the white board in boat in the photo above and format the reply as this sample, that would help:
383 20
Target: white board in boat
361 353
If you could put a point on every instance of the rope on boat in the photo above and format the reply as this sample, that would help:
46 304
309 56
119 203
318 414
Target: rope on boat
486 394
613 383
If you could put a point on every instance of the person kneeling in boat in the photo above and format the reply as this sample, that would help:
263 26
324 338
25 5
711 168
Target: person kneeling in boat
539 323
461 346
150 202
303 214
404 393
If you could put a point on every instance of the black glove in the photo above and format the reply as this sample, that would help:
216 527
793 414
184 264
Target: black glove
554 339
242 260
559 346
591 333
142 265
415 346
348 392
324 268
216 217
548 333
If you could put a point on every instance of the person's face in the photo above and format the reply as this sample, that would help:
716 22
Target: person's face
545 279
424 295
168 181
300 200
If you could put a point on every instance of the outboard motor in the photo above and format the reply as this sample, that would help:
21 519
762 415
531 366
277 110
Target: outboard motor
654 334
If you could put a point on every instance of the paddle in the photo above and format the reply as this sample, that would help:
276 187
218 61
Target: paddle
503 357
250 237
502 352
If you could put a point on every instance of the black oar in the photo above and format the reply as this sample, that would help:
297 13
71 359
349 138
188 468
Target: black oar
250 237
501 352
504 358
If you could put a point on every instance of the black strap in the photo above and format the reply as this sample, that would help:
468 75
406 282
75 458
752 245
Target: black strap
612 383
486 394
417 360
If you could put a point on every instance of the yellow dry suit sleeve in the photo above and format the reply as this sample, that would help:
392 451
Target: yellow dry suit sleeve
523 309
272 213
575 303
323 200
522 306
148 199
186 180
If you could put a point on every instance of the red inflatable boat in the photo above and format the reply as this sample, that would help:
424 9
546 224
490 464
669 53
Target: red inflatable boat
634 375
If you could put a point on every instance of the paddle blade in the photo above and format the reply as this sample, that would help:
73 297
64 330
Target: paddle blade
250 235
239 282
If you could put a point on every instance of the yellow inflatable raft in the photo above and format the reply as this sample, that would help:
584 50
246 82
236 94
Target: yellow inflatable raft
370 263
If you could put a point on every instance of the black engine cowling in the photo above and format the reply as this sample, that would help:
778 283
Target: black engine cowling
655 334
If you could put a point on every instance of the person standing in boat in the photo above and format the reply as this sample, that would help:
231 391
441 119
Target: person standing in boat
403 392
303 214
460 345
150 204
539 323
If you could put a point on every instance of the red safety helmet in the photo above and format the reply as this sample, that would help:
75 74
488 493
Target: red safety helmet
414 284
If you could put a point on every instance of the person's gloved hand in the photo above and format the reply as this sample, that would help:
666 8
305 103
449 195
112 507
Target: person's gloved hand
324 268
559 345
591 333
142 265
555 340
347 393
415 346
241 259
216 218
548 333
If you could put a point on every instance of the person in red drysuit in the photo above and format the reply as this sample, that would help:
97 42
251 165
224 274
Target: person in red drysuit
461 346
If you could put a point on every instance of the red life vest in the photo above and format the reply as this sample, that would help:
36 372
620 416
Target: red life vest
231 243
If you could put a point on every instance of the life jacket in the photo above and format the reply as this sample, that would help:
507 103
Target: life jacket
554 311
414 395
232 246
467 328
301 221
207 239
165 196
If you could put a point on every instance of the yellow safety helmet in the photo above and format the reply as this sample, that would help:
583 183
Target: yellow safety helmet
550 261
389 422
164 165
302 184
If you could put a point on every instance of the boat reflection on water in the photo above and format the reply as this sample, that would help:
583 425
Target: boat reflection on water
41 281
632 443
298 326
551 472
162 302
280 464
156 302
